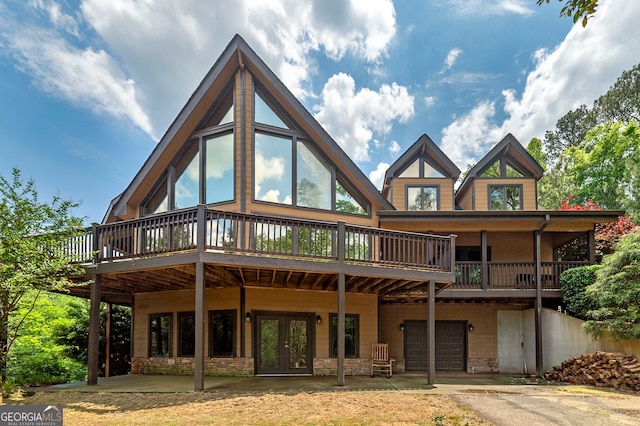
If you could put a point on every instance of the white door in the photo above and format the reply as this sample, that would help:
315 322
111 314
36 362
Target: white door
510 351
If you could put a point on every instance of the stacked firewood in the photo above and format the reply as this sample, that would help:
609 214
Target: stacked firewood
602 369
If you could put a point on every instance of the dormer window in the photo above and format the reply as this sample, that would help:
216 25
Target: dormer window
505 197
423 198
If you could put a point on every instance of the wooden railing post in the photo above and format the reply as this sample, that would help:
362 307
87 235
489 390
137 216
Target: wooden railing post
201 227
96 253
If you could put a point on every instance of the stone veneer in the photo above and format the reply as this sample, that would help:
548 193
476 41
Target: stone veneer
185 366
240 366
482 365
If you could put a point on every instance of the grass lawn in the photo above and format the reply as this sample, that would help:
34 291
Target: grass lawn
220 408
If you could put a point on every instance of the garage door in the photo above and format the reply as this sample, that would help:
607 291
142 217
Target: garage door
451 345
416 346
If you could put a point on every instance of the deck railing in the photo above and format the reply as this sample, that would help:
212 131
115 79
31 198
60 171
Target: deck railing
220 231
510 275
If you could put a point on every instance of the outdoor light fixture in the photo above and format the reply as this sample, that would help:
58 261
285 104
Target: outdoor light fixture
402 327
318 319
470 327
247 317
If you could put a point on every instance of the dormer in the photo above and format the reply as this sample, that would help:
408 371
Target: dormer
505 179
421 179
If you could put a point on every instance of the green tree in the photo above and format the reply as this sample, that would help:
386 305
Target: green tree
606 165
581 10
36 356
574 283
616 292
620 103
32 237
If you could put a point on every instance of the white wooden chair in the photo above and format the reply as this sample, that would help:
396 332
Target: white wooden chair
380 361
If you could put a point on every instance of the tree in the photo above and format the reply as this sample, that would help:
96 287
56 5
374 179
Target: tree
584 9
616 292
620 103
32 237
606 165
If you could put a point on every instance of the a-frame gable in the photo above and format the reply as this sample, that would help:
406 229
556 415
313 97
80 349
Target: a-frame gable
427 149
511 160
422 178
198 113
509 151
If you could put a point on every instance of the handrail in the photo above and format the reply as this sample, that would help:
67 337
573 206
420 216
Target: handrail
246 233
511 275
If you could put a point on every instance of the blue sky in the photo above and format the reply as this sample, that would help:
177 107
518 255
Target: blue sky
88 87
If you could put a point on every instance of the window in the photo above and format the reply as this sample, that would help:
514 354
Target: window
160 335
222 333
505 197
287 169
351 339
219 169
421 168
204 170
423 198
186 334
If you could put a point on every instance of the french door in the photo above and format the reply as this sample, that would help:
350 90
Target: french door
284 343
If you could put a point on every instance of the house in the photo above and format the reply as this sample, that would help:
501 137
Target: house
250 244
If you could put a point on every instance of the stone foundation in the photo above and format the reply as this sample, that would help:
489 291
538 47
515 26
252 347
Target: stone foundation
482 365
241 366
352 366
185 366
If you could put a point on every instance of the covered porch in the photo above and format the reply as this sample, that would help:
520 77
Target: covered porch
199 249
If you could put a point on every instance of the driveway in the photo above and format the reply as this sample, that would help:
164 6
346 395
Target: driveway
533 405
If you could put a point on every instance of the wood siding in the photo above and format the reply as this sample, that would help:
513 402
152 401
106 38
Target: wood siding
481 189
399 191
277 300
482 341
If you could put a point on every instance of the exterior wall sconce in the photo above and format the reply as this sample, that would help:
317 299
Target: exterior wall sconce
470 327
247 317
318 319
402 327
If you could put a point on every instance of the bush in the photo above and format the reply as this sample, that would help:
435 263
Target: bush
574 283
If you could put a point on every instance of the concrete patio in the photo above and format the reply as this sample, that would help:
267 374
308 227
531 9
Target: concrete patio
136 383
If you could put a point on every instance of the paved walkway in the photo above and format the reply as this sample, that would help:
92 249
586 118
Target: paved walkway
500 399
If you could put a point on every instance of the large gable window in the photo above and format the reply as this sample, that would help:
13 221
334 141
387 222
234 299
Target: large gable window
203 172
505 197
289 170
424 198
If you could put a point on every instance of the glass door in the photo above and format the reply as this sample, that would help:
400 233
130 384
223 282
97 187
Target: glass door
284 344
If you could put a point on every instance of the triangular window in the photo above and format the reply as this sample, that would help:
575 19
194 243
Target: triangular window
430 172
265 115
412 171
228 117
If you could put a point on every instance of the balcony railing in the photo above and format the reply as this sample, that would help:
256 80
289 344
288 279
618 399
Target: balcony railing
219 231
511 275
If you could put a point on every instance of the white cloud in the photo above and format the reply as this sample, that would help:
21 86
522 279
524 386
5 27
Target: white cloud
394 148
430 101
576 72
377 176
476 8
164 47
452 56
87 78
353 117
470 137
